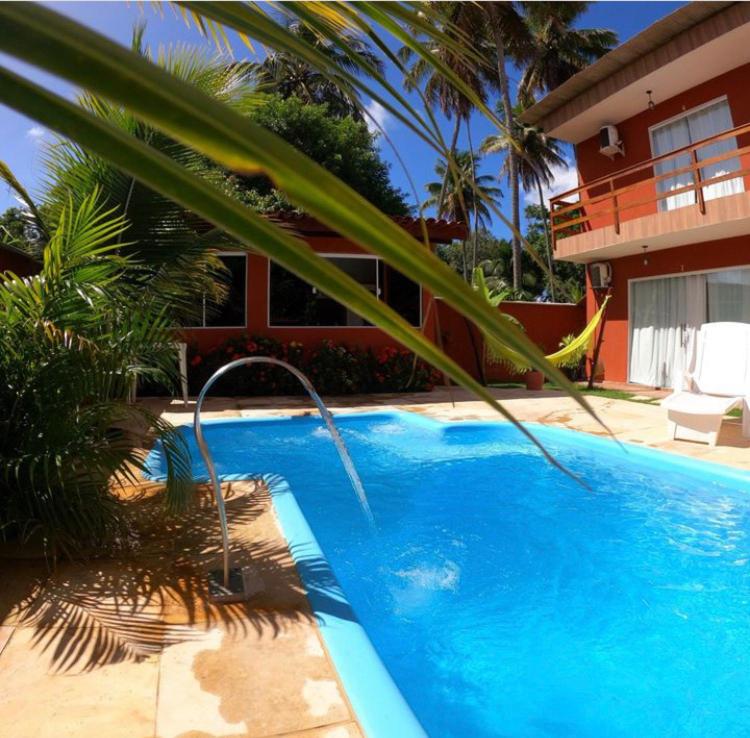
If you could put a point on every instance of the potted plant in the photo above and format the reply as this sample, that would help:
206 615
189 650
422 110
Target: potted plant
572 364
534 380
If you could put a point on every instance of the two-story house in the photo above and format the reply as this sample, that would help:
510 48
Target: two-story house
661 216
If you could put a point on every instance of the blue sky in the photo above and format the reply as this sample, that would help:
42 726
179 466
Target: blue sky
23 141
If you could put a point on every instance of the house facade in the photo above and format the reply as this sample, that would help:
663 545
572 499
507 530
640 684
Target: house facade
661 214
266 300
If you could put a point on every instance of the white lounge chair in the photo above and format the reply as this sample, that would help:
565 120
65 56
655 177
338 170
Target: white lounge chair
718 382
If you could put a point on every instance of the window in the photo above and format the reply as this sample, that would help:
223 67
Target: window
293 302
692 127
232 312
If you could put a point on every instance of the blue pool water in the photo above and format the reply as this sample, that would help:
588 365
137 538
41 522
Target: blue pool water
507 600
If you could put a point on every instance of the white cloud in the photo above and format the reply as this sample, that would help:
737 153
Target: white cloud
376 113
36 133
564 178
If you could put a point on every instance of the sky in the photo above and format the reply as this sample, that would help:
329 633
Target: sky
23 141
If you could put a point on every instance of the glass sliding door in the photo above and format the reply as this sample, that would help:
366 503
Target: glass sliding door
665 315
728 296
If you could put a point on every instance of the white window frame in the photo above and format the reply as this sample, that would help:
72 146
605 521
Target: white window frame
203 326
333 255
669 275
685 114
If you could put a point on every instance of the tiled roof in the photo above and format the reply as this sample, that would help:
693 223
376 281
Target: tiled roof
439 231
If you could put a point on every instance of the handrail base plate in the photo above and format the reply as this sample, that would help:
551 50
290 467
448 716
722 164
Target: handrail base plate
244 583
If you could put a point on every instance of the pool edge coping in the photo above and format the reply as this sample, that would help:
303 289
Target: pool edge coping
378 703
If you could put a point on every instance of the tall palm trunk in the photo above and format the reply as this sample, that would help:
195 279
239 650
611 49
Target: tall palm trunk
451 154
474 199
502 77
547 241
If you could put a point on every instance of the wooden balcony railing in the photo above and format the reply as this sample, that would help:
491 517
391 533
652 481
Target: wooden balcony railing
610 208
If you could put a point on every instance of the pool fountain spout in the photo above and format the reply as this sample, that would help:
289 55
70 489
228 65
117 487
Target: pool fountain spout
230 585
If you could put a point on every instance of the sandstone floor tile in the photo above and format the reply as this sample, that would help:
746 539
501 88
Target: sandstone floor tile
256 684
39 700
342 730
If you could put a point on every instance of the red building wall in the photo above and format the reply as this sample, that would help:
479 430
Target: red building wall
695 257
592 165
257 286
544 323
20 264
634 133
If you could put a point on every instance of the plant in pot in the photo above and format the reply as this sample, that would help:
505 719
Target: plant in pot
572 363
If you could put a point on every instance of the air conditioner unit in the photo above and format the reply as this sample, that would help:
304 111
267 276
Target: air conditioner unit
600 274
609 141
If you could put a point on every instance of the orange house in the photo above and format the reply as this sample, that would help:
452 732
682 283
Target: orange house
267 300
661 214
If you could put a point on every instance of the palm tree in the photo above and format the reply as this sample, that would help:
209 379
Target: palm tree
558 49
288 75
536 154
60 46
463 196
508 34
461 193
175 249
73 340
458 21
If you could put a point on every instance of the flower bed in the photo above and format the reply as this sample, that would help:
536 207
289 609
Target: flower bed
333 368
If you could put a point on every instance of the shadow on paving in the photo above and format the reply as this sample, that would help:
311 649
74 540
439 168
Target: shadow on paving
89 614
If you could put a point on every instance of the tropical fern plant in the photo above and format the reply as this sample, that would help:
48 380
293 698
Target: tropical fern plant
73 340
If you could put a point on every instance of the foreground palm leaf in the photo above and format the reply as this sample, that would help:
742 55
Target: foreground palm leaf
66 48
63 47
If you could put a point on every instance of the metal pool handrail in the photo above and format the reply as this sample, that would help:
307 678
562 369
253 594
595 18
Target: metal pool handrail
343 452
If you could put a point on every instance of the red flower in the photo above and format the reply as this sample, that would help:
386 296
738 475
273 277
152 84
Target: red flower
197 359
251 346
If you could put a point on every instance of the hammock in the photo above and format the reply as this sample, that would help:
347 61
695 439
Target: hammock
578 344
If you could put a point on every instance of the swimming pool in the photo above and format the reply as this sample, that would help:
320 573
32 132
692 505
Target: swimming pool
504 598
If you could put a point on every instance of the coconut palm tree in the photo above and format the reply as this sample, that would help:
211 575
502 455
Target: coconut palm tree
39 36
458 21
288 75
558 49
508 35
536 154
463 197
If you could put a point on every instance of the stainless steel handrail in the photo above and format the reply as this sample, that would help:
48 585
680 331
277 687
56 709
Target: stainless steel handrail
343 452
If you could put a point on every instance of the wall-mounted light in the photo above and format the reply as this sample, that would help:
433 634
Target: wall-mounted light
645 255
651 104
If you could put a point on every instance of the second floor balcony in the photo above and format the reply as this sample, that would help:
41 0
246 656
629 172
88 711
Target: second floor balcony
696 193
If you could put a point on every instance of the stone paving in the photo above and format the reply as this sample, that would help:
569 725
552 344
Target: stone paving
131 647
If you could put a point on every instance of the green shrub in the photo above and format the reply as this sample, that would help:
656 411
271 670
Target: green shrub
73 341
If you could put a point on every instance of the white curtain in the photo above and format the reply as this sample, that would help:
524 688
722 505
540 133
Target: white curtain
729 296
665 315
692 128
707 122
664 139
